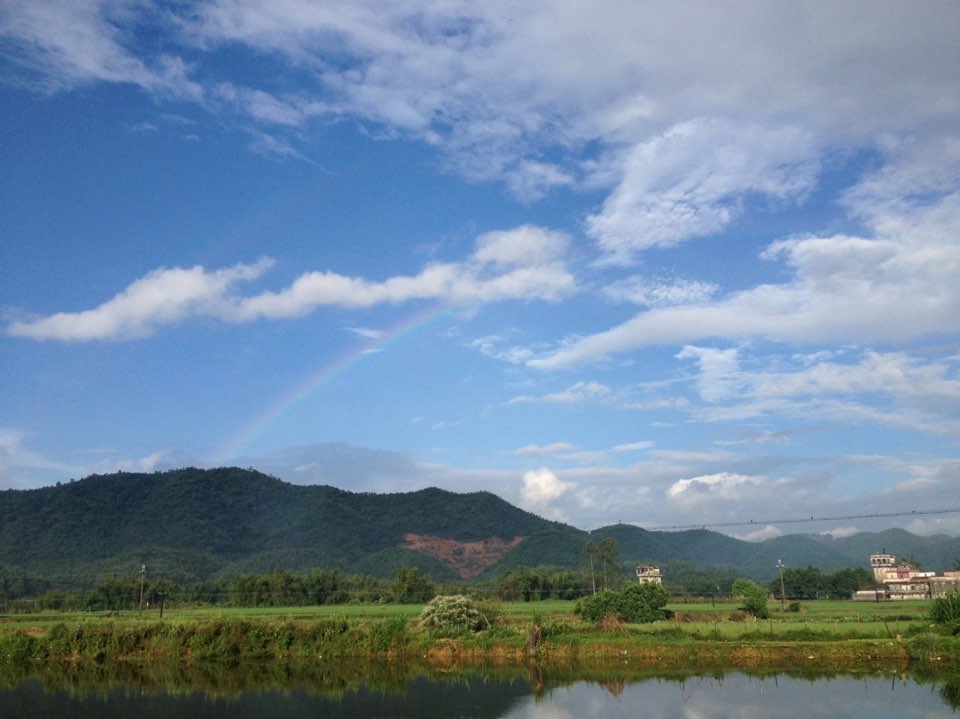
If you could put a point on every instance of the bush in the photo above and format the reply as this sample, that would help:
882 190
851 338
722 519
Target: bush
636 604
754 597
453 613
17 646
945 611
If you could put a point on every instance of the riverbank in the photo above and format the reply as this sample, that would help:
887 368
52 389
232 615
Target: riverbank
509 643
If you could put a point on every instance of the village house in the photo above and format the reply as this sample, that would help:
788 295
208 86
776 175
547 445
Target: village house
649 574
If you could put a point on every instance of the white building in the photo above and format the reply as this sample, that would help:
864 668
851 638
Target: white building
649 573
897 581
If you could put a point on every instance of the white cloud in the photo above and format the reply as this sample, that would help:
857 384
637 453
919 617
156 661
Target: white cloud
583 391
366 333
163 297
150 463
648 292
525 263
896 287
22 467
893 389
493 346
710 487
760 535
18 463
534 450
66 44
840 532
691 110
719 377
686 182
541 486
634 447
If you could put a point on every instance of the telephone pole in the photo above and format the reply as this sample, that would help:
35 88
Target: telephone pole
782 593
143 576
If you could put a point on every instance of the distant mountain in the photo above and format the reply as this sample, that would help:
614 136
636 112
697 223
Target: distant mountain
191 524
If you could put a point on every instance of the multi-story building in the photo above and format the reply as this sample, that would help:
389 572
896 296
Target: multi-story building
905 581
649 573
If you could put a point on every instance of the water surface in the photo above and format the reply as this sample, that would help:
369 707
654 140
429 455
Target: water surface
525 695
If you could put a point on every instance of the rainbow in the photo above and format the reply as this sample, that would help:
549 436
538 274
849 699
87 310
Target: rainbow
322 377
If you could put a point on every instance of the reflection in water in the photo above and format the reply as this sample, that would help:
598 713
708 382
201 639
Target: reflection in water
400 691
740 695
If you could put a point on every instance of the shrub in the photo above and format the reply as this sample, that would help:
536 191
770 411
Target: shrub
389 634
17 646
754 597
595 608
453 613
636 604
945 611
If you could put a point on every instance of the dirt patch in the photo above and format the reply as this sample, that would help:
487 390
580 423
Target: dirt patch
469 559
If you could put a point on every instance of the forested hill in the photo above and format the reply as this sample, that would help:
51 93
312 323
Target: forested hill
191 524
194 523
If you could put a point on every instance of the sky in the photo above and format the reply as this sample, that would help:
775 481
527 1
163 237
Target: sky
669 264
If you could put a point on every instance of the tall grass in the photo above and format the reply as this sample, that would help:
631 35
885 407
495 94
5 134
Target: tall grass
230 639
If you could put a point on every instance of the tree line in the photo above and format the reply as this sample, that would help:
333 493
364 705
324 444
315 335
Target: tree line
600 570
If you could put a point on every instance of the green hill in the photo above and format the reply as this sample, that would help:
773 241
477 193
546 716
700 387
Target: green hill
192 524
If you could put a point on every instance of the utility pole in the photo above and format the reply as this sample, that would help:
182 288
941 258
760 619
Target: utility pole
143 576
782 592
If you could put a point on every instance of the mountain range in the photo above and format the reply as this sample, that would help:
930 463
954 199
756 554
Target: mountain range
192 524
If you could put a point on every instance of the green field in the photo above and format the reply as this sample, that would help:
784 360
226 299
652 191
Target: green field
861 617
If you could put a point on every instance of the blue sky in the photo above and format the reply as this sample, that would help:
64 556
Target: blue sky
661 264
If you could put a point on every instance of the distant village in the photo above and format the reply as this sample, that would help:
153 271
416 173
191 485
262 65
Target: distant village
892 581
905 581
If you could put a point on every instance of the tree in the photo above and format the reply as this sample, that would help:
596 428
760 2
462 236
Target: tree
410 586
520 583
600 560
637 603
843 583
610 571
754 597
588 557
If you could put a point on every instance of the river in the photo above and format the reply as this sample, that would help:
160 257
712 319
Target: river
529 694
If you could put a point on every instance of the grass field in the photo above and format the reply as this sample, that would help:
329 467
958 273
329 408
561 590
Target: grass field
864 618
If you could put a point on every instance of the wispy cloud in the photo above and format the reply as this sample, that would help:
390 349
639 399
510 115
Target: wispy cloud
584 391
533 450
366 333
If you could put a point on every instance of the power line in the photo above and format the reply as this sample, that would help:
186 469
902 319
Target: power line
802 520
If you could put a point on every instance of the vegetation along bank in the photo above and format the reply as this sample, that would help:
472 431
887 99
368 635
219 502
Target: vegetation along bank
631 627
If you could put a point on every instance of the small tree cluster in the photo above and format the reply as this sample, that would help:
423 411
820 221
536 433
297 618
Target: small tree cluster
453 613
411 586
636 604
753 596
